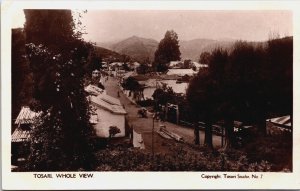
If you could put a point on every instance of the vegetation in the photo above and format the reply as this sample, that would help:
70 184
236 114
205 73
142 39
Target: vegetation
168 50
95 62
239 85
62 137
162 96
113 130
22 81
249 83
134 87
180 158
204 58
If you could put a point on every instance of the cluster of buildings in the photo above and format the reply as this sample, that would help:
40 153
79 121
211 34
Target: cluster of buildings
105 112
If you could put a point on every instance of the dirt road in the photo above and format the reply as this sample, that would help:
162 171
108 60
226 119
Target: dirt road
144 125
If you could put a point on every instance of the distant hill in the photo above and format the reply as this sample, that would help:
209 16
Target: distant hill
142 48
193 48
136 47
107 54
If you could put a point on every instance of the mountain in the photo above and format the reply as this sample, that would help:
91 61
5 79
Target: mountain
109 55
142 48
193 48
137 48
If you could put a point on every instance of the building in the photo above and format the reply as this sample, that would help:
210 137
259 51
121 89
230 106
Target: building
24 123
94 90
107 111
181 72
279 125
199 65
21 135
175 64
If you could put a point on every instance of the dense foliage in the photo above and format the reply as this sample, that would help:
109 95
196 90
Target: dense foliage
204 58
168 50
180 159
61 139
22 82
249 84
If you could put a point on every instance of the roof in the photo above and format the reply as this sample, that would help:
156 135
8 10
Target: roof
199 65
181 72
20 135
283 121
136 64
109 99
26 116
93 90
174 63
116 109
117 63
128 74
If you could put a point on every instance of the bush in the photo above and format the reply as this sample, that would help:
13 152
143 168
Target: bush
179 159
146 103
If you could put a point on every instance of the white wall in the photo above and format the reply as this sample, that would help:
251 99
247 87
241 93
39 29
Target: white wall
107 119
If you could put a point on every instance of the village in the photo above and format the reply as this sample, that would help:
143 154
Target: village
157 109
115 112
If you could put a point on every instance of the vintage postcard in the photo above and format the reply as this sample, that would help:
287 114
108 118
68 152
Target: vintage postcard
150 95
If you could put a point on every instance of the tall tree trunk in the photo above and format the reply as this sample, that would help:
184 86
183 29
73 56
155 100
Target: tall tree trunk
208 134
196 134
229 137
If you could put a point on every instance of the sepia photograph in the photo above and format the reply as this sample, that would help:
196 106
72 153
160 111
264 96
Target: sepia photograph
139 90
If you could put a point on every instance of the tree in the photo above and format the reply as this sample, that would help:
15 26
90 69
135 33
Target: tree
95 62
200 99
163 95
134 87
21 74
113 130
125 67
142 69
61 139
280 75
204 94
187 64
205 57
168 50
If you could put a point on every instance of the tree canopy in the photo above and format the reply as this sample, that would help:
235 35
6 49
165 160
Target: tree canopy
168 50
21 74
61 139
244 85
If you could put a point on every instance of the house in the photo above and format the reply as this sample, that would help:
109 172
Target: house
181 72
199 65
104 65
279 125
106 112
94 90
135 65
24 122
21 135
175 64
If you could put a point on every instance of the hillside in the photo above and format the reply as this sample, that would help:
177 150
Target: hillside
136 47
142 48
193 48
107 54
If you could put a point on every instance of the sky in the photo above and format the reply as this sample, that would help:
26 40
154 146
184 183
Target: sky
115 25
